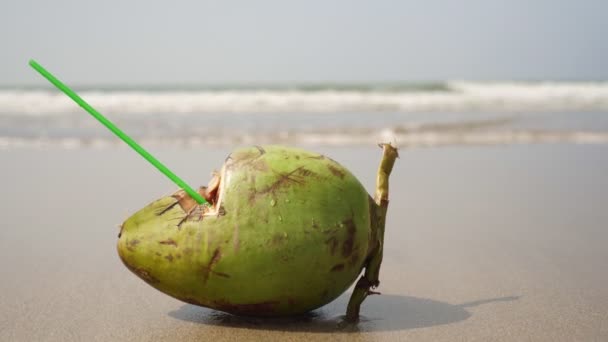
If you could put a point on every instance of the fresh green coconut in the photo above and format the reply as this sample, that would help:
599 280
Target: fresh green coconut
285 231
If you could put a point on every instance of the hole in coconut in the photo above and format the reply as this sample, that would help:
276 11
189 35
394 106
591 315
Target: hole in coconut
210 193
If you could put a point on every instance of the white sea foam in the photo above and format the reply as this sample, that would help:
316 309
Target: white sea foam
452 97
401 139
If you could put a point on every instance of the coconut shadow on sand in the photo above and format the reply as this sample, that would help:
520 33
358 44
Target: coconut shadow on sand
379 313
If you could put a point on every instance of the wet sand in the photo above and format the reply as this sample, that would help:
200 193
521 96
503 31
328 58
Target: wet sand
492 243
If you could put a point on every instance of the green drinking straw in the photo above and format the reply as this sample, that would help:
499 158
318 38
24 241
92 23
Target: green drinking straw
82 103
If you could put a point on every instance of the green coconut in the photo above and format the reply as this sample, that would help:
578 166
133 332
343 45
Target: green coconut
285 231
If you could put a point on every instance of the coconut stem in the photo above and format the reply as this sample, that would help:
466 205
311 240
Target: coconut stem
370 279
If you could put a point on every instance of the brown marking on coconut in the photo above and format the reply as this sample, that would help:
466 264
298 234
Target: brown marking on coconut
278 239
317 157
169 207
131 244
286 257
354 258
208 269
169 257
337 268
236 244
252 161
349 241
336 171
330 231
158 253
186 217
331 160
240 157
261 149
144 274
307 173
259 165
261 308
169 242
332 242
188 251
283 180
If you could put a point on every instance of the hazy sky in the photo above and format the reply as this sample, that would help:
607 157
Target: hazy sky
149 42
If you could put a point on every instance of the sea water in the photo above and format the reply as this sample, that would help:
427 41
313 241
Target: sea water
414 114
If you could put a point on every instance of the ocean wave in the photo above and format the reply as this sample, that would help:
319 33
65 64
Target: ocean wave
444 97
404 138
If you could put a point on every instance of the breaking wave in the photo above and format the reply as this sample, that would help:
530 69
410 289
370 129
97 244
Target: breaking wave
433 97
402 136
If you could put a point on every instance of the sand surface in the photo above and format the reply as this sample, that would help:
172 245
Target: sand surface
501 243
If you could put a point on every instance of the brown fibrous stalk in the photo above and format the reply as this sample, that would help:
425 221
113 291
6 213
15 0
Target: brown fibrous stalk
371 278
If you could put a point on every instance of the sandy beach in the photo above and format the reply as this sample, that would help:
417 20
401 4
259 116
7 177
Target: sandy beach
502 243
